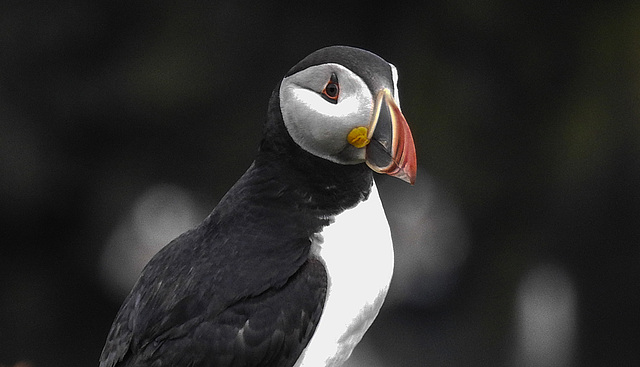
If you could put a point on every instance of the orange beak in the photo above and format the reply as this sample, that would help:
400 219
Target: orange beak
391 149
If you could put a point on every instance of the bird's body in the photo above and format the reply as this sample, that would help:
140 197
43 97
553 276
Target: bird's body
289 269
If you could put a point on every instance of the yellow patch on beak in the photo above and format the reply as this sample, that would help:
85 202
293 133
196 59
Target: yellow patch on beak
358 137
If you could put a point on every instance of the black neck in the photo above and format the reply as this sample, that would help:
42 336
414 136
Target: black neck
333 187
285 182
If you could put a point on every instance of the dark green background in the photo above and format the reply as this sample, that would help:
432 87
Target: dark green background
527 112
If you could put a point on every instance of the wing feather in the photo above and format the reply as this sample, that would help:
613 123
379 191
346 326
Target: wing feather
165 322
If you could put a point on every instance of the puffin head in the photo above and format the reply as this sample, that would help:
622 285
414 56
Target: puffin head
341 104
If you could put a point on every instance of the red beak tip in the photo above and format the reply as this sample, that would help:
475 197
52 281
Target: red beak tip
409 177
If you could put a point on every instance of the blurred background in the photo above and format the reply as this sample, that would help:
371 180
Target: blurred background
122 123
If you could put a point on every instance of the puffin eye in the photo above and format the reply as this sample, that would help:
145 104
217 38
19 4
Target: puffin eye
331 90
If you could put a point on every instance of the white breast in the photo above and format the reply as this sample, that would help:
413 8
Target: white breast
358 255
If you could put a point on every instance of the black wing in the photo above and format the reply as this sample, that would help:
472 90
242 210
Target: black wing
221 295
267 329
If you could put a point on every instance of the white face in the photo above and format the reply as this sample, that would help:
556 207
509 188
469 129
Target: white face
318 125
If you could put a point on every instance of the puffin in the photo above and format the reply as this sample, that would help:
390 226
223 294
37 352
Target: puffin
293 264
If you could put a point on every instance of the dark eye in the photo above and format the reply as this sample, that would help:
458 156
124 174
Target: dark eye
331 90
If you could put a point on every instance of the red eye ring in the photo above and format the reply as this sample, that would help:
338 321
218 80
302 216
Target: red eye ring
331 91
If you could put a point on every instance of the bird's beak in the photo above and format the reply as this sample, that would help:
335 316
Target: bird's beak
390 149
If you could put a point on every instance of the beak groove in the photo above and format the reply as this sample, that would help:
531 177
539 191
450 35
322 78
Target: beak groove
391 150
